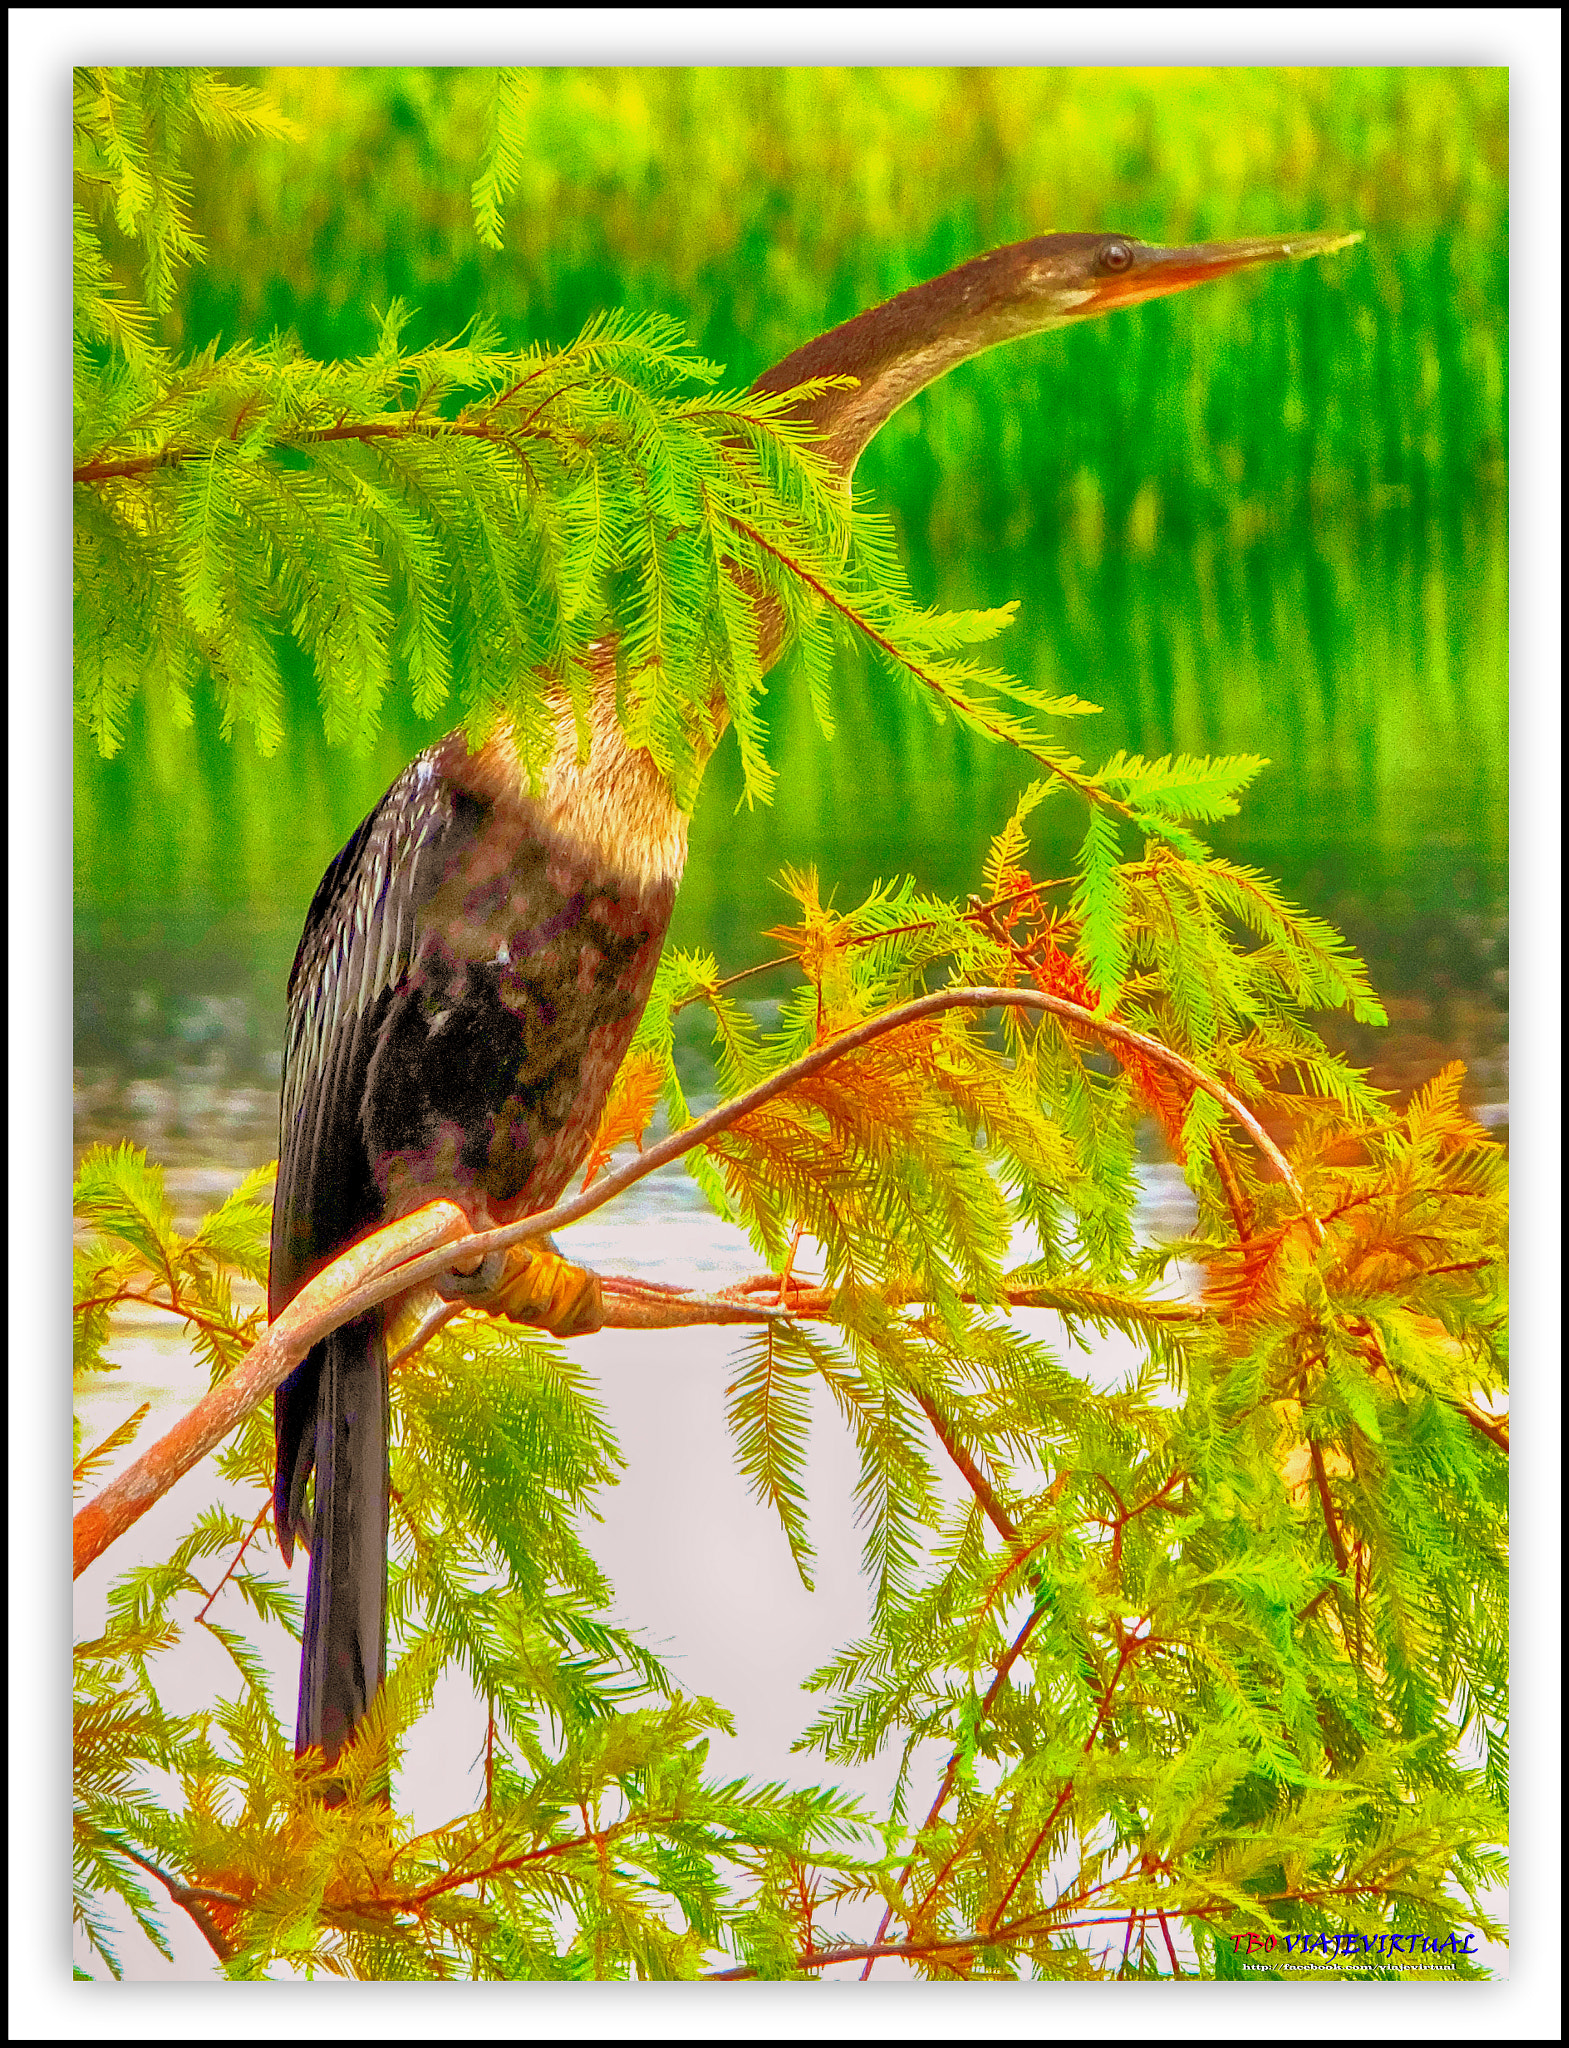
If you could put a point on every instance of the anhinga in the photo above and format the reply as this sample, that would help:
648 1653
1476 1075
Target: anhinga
475 960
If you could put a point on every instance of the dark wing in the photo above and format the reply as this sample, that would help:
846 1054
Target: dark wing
353 956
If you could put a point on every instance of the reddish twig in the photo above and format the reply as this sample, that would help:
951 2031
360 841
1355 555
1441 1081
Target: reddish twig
1176 1967
1118 1522
974 1478
193 1900
261 1515
1129 1645
1005 1664
1236 1201
1321 1481
1027 1926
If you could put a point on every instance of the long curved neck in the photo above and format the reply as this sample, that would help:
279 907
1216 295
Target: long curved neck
893 352
897 349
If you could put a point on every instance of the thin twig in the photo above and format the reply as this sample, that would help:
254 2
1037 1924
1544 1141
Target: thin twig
1083 784
1332 1526
261 1517
435 1318
1046 1921
700 995
893 931
974 1478
1176 1967
1005 1525
1005 1664
192 1899
1130 1645
1236 1201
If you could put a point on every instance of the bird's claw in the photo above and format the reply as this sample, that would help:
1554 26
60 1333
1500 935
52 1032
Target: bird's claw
532 1284
457 1285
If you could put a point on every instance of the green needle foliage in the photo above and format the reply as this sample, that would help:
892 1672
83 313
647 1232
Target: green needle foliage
471 517
1216 1655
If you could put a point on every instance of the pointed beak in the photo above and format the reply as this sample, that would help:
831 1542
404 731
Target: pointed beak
1155 272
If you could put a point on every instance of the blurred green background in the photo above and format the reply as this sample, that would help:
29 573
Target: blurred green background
1265 517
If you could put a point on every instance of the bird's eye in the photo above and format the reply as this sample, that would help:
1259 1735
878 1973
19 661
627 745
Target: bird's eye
1116 256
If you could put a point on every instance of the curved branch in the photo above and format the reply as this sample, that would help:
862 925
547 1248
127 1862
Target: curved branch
312 1315
413 1250
421 1270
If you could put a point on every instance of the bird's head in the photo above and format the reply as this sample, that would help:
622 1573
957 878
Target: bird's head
879 360
1057 278
896 349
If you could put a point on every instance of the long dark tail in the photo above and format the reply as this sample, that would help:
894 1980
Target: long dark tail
344 1653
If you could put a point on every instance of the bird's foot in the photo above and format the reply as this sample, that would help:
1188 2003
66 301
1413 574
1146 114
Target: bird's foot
472 1282
533 1284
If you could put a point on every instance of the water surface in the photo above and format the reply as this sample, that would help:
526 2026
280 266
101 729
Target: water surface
1369 666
